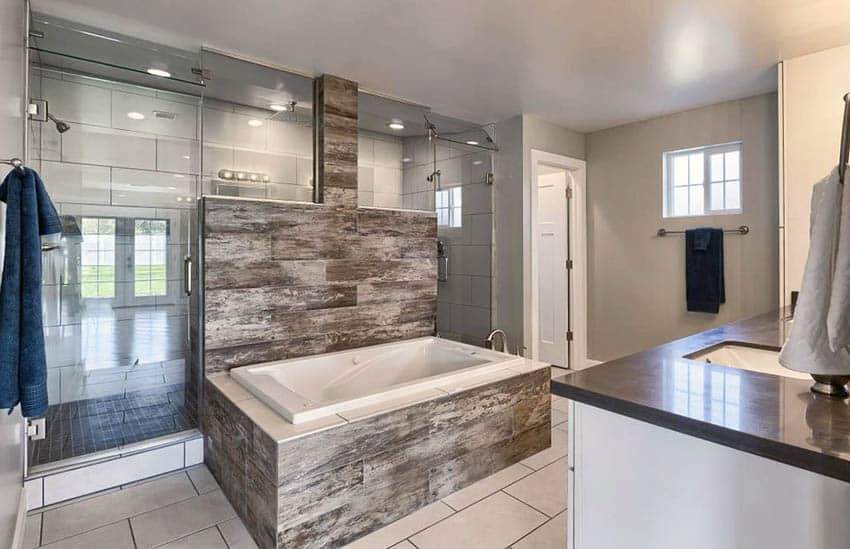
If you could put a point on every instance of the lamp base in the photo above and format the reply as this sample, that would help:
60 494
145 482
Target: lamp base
834 386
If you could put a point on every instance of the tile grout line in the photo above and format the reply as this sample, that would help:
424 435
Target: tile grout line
531 471
40 529
531 506
132 534
538 528
119 520
220 533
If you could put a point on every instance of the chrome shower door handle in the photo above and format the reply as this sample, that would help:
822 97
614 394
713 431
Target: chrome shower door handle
187 275
442 268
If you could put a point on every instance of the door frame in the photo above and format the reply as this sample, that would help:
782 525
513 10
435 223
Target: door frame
577 242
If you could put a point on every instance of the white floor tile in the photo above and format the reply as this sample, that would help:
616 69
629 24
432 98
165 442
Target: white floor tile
545 490
97 511
205 539
403 528
496 521
86 480
175 521
485 487
560 403
236 535
558 417
194 452
35 493
202 479
115 536
552 535
547 456
32 532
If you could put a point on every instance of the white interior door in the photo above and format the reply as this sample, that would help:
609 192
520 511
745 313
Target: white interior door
552 284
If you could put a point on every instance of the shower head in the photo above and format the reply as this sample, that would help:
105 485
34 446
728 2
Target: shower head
61 126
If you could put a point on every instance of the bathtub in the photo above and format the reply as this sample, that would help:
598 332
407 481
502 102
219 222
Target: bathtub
309 388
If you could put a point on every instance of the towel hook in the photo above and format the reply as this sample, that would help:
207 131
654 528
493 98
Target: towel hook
16 163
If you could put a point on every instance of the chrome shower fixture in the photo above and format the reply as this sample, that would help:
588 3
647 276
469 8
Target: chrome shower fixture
61 126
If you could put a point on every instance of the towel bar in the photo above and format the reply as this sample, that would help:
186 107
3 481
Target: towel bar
743 229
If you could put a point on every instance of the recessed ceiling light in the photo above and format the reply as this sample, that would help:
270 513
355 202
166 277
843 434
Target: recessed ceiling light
135 115
254 123
179 176
186 157
477 162
396 125
277 107
159 72
472 142
406 159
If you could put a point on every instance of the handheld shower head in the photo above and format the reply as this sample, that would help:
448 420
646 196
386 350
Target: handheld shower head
61 126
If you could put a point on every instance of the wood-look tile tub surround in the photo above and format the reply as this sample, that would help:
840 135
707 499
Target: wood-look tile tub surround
331 481
287 279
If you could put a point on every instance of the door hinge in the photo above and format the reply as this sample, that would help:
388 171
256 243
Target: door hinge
36 428
205 74
569 264
569 192
570 335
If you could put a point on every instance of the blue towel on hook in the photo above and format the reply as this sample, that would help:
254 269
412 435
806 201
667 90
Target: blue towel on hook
23 366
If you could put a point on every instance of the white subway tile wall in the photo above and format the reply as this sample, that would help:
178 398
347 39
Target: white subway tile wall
379 170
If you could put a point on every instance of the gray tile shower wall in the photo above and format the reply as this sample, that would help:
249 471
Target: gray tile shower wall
329 487
294 279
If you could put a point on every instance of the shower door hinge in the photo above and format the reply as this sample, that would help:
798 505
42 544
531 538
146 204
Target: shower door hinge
569 264
37 110
568 191
570 335
206 74
36 428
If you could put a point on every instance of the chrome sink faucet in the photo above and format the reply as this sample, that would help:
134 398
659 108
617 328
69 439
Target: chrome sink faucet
491 337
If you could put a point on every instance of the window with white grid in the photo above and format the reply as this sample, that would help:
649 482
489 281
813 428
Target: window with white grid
703 181
449 203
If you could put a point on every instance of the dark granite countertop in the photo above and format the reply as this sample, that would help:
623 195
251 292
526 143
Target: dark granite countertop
766 415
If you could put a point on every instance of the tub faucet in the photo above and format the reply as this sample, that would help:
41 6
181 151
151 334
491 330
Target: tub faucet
491 337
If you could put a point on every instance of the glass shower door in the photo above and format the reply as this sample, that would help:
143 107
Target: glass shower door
118 150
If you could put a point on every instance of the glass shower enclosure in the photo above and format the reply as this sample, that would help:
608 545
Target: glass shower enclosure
412 158
114 132
128 136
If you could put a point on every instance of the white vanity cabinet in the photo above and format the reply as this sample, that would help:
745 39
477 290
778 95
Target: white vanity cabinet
634 485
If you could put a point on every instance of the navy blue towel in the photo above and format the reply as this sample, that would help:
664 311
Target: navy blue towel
23 368
705 286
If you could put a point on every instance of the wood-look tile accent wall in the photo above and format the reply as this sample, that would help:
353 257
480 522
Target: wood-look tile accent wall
328 488
335 151
292 279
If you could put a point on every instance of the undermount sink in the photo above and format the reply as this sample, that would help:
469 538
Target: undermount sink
743 357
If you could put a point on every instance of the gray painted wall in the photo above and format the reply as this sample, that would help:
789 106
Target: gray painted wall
517 136
12 64
636 280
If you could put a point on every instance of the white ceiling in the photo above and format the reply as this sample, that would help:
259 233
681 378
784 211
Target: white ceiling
585 64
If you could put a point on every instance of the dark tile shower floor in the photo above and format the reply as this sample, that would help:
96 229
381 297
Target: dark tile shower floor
84 426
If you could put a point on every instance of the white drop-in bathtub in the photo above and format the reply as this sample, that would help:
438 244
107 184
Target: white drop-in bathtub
309 388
